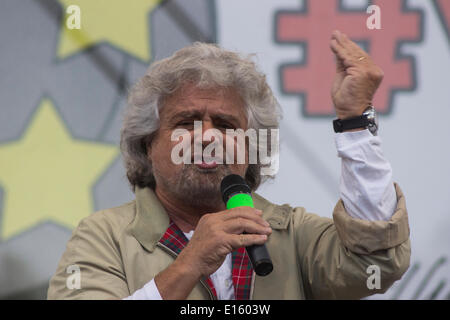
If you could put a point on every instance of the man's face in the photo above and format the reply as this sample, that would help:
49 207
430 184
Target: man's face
196 184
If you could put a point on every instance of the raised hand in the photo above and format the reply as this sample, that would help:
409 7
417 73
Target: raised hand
357 77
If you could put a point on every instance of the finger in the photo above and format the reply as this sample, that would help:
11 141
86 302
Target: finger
349 58
336 35
241 225
342 39
350 49
343 58
245 240
250 209
345 41
247 213
338 49
334 45
340 67
354 50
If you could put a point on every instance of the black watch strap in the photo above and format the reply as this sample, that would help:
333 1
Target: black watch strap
351 123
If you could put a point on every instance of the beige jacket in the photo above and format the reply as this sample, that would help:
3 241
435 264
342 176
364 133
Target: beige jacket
117 251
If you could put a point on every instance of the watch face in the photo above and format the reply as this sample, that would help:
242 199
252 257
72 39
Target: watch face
371 115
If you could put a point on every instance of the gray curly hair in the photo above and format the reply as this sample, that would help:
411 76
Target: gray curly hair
207 66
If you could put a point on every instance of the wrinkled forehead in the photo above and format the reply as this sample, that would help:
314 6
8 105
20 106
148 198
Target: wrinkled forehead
224 102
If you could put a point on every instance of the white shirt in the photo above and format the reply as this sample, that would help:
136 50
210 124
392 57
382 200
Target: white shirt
222 278
366 188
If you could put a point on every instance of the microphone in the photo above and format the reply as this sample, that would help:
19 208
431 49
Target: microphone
236 193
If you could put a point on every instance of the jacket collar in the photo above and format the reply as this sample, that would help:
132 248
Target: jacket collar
151 221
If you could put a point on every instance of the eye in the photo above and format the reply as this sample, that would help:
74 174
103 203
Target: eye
226 125
185 123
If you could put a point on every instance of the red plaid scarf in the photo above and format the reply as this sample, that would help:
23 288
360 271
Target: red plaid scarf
242 270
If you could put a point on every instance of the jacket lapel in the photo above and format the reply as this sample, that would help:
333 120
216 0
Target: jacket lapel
151 221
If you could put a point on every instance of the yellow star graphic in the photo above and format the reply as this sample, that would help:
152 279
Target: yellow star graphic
123 23
48 175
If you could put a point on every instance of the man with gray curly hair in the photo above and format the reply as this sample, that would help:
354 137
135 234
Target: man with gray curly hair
208 68
176 240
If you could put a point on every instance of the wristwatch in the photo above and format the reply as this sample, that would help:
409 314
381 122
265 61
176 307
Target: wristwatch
368 120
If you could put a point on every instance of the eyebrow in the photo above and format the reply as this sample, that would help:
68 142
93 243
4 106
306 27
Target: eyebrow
187 115
226 117
197 115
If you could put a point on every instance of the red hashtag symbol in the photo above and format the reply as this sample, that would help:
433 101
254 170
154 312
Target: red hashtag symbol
313 78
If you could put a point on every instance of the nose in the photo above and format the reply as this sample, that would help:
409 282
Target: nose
206 125
212 142
209 137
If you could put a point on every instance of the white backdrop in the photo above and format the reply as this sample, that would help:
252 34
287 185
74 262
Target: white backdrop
416 136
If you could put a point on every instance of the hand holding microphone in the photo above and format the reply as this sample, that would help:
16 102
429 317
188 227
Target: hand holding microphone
236 193
218 234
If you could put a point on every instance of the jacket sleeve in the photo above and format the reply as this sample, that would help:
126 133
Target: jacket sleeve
338 257
93 251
